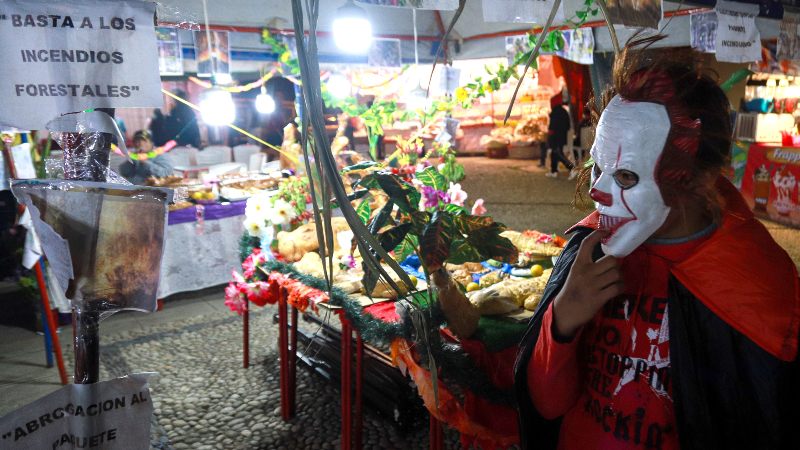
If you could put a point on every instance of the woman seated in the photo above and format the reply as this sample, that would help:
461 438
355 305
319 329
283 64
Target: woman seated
138 170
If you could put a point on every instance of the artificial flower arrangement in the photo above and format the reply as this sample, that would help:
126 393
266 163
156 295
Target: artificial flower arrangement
268 212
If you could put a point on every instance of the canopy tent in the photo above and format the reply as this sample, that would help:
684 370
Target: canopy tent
472 36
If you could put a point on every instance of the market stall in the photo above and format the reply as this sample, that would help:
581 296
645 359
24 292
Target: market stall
765 157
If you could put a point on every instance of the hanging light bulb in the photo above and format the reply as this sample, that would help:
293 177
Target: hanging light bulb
217 107
352 30
339 86
265 104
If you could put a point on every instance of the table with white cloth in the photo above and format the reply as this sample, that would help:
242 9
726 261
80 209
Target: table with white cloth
201 247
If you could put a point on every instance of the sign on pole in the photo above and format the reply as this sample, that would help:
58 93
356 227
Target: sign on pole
62 57
110 415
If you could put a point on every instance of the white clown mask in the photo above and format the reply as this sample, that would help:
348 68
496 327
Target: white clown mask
627 148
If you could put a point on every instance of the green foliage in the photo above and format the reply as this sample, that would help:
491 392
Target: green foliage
554 41
394 236
363 211
432 178
290 63
434 244
403 194
453 172
407 247
447 234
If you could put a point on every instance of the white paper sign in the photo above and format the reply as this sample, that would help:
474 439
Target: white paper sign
521 11
109 415
789 38
61 57
22 163
738 39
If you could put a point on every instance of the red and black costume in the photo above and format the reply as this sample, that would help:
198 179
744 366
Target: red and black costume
720 372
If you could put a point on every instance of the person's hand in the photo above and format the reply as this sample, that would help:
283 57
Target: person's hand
588 287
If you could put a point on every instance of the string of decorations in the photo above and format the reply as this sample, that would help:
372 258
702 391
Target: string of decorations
158 151
456 365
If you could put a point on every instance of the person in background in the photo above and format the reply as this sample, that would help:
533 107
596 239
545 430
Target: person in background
583 142
158 128
137 171
181 124
560 125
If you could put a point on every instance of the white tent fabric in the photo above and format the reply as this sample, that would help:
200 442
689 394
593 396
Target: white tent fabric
393 22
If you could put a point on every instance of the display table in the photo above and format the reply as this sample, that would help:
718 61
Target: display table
769 183
480 368
201 247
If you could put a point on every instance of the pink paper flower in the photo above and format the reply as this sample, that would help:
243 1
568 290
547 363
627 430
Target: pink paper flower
250 264
234 299
478 209
457 195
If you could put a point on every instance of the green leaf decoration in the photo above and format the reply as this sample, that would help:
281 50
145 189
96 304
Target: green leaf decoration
467 224
419 220
381 218
358 194
432 178
435 241
403 194
392 237
363 211
360 166
489 243
370 278
454 209
462 252
734 79
407 247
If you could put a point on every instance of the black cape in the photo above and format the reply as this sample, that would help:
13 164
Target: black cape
728 393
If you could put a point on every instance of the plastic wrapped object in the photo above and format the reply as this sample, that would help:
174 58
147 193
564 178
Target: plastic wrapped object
104 243
86 139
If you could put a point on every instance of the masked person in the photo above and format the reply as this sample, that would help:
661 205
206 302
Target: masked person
671 318
139 170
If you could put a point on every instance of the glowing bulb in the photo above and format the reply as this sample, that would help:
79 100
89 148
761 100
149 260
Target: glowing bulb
338 86
352 30
265 104
217 107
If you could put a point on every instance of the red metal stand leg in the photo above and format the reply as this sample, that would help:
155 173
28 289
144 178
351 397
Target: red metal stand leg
51 323
358 419
246 335
436 437
283 354
440 437
346 383
293 363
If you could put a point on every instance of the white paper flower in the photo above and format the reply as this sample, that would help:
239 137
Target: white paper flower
282 212
254 226
457 195
258 207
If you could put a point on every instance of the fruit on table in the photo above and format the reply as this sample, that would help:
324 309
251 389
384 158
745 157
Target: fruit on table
473 287
537 270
